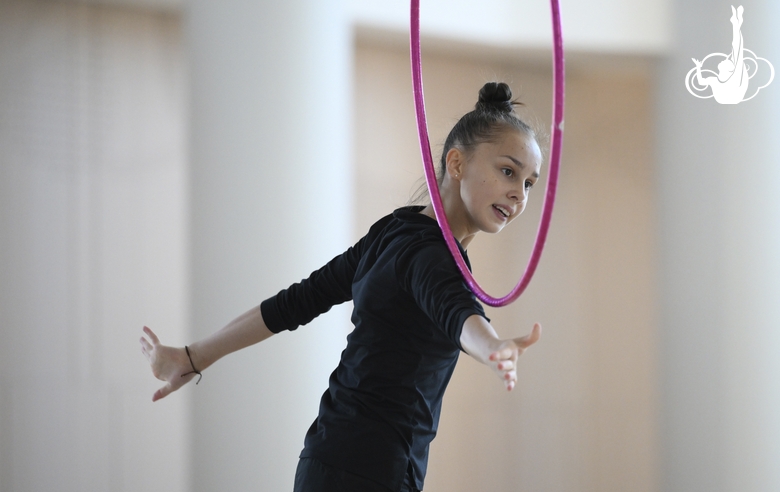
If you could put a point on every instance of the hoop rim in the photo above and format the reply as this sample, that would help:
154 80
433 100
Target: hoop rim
556 142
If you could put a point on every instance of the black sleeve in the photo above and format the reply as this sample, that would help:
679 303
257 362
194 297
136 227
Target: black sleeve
432 277
302 302
330 285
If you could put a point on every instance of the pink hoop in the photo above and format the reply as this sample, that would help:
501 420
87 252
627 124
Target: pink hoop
555 158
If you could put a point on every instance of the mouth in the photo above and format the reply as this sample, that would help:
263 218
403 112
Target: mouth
502 211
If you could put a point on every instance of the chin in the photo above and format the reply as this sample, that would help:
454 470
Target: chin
493 229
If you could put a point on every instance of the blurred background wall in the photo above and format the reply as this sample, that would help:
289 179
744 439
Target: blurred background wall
173 163
93 244
717 173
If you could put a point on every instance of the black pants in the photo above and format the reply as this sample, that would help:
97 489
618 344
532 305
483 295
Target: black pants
314 476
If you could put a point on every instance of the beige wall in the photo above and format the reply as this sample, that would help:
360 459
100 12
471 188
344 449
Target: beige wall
584 416
93 224
606 26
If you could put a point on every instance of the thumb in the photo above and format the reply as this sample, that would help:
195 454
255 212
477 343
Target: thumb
162 392
531 338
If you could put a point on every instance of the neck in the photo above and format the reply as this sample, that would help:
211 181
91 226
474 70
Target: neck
454 210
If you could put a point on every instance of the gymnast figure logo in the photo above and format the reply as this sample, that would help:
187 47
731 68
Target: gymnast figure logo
735 70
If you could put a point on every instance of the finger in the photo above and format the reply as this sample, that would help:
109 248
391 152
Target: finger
151 335
510 381
146 347
162 392
506 353
506 365
532 338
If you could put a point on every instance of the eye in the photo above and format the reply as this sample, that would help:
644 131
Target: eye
529 184
507 171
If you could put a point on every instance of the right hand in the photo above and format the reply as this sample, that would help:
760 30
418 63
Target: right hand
168 364
504 360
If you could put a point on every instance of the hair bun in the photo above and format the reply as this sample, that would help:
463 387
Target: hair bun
496 96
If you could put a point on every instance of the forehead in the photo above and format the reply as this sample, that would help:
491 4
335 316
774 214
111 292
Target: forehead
519 146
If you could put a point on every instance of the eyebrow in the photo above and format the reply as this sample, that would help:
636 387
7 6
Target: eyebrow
520 164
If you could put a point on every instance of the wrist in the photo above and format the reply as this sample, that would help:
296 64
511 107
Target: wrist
197 357
478 339
192 365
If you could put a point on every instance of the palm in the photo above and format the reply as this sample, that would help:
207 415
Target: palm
167 364
505 358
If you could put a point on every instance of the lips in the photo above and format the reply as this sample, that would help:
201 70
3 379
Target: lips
502 211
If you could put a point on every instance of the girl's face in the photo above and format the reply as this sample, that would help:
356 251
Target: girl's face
495 180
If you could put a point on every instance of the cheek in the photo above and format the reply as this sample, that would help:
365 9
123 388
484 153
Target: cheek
478 192
520 210
471 192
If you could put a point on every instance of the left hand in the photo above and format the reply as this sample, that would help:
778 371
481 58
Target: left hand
504 360
169 364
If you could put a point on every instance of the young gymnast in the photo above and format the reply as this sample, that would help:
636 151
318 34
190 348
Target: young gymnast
413 314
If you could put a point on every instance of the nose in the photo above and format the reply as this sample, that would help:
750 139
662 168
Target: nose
518 194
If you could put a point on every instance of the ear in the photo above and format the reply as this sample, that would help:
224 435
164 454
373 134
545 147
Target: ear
455 161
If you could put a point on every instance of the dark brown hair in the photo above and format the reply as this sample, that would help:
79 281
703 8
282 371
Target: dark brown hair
493 114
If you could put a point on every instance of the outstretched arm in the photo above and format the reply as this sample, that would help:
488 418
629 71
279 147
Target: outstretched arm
172 365
480 341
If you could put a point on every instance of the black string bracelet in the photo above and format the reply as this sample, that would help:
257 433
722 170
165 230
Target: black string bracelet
193 371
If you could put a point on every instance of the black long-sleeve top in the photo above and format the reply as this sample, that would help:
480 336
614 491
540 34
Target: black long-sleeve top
382 406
